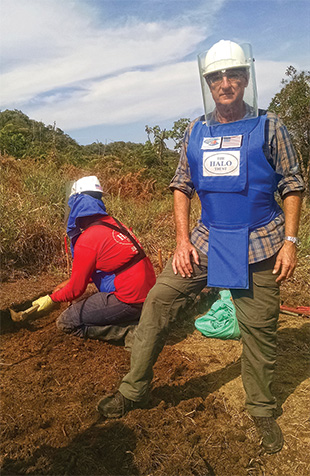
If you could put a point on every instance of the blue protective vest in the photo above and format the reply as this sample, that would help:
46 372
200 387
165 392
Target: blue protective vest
236 186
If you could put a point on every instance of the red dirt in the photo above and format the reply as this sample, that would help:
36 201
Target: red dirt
195 423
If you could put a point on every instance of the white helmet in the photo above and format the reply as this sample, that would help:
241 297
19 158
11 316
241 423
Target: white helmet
86 184
224 55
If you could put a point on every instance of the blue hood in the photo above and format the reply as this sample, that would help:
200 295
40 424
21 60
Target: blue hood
82 205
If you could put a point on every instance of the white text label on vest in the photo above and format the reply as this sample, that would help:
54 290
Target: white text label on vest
221 163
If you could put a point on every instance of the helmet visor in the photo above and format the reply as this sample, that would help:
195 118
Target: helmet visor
69 186
227 82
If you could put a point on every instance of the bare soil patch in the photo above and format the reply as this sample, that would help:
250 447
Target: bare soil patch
195 423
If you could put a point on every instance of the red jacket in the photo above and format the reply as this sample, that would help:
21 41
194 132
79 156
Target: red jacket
101 248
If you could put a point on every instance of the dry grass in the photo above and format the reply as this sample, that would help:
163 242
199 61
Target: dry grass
33 204
31 210
32 214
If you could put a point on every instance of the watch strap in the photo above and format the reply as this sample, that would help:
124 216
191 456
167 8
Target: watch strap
293 239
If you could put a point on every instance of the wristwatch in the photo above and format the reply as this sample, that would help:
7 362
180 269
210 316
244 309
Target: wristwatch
293 239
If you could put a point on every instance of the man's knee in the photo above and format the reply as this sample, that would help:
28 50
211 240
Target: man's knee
63 324
165 295
66 322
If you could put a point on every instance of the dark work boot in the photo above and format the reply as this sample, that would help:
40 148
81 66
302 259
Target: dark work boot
116 406
270 432
117 334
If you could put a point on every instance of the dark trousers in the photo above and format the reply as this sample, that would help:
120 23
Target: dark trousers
100 316
257 311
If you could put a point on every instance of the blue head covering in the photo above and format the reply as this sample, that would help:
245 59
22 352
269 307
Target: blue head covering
82 205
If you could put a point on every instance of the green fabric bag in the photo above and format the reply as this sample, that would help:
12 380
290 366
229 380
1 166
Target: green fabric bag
221 321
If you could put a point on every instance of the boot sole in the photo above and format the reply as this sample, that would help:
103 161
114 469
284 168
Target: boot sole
271 451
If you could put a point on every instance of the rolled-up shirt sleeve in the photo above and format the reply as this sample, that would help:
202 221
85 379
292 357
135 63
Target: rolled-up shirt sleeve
182 179
284 157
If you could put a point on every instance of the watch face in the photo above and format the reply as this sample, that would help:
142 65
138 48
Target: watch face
293 239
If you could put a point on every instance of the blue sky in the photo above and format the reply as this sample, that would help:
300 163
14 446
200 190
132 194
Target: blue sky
103 69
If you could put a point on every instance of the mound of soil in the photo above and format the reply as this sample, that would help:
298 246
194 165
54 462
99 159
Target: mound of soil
195 423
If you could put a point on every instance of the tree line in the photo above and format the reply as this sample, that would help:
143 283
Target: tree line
22 137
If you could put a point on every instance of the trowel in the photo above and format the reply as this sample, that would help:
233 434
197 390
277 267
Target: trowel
21 316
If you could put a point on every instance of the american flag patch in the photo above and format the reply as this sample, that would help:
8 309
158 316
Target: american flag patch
231 141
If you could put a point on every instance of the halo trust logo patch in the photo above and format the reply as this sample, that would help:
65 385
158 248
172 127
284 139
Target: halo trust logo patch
221 163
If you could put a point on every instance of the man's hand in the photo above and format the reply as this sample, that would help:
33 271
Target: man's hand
45 303
185 251
182 259
286 261
287 256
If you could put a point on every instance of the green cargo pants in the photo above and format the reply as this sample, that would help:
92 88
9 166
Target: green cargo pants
257 311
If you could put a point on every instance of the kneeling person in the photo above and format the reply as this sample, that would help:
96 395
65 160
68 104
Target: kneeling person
107 253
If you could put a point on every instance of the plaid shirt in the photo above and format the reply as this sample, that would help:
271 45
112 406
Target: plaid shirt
264 242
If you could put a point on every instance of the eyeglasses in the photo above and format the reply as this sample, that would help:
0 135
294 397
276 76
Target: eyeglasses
233 74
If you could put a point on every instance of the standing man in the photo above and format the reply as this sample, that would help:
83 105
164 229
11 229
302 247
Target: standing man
235 157
108 254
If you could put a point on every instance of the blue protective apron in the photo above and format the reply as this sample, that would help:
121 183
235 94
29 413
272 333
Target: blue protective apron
236 186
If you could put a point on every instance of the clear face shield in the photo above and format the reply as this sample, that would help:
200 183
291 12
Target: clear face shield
228 82
69 186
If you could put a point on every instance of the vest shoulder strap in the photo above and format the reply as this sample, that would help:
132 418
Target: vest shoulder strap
120 228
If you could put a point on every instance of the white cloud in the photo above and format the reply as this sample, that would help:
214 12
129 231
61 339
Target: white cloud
61 63
165 92
37 30
53 47
268 75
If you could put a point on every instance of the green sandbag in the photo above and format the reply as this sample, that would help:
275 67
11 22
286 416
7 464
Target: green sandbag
221 321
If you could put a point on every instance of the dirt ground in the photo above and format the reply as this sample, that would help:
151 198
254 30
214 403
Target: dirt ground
195 424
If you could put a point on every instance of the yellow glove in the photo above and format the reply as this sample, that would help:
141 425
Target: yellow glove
45 303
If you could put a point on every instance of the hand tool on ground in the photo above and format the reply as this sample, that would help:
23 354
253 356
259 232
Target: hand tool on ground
296 311
21 316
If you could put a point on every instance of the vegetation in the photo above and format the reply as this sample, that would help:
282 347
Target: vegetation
292 104
161 135
38 161
21 137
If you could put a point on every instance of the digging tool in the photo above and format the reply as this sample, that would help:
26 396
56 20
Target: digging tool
296 311
21 316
